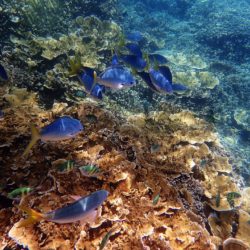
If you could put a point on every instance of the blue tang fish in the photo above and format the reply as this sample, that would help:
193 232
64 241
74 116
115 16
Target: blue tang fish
134 61
81 210
135 36
3 74
61 129
116 76
157 58
134 49
88 78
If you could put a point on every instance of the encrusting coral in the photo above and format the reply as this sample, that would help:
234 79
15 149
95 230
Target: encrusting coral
185 170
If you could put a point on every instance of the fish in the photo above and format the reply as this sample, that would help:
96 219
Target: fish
157 58
217 199
165 71
81 210
19 192
89 170
88 78
66 166
161 83
1 115
156 199
134 61
3 74
91 118
134 49
155 148
116 77
135 36
61 129
231 196
106 238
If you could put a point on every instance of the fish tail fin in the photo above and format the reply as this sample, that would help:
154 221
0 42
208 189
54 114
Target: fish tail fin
33 216
75 65
35 136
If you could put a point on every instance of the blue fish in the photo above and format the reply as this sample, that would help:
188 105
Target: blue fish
3 74
134 61
161 83
134 49
135 36
157 58
61 129
116 76
88 78
81 210
165 71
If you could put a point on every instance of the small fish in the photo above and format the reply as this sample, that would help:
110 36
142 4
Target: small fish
80 210
157 58
61 129
156 199
161 83
134 61
106 239
3 74
135 36
88 78
1 115
117 77
217 199
230 198
203 163
91 118
134 49
66 166
19 192
155 148
89 170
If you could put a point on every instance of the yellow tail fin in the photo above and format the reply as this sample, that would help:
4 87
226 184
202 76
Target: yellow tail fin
35 136
33 216
75 65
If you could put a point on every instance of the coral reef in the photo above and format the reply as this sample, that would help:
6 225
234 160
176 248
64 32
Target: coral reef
189 167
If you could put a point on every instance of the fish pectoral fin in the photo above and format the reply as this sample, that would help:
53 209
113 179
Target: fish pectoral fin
76 197
35 136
